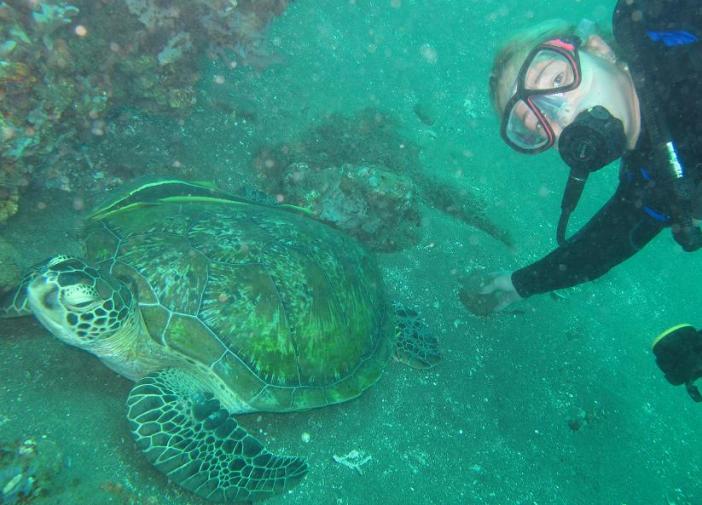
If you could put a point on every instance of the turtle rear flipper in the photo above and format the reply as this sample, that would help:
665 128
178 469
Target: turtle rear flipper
415 345
188 436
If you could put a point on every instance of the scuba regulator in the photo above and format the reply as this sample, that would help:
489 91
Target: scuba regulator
594 139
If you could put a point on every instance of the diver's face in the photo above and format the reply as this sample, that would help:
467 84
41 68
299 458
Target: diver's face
601 82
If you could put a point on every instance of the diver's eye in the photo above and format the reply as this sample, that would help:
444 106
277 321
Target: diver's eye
559 80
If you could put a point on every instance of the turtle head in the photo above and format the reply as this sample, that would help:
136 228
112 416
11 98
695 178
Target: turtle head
77 303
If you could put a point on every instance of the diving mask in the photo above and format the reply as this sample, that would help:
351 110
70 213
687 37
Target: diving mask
549 71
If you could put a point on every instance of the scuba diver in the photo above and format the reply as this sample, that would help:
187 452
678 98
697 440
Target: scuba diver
562 86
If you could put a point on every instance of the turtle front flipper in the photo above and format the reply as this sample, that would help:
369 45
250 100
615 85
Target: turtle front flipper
187 435
415 345
14 303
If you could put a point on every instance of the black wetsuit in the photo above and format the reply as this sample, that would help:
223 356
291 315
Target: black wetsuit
644 202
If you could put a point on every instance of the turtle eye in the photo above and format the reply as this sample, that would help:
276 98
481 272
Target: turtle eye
80 297
81 305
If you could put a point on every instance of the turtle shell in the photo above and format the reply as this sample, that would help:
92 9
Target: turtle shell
288 312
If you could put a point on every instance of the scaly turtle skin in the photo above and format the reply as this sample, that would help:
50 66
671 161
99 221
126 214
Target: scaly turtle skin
216 306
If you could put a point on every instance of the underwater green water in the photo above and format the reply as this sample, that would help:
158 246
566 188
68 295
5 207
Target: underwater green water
556 403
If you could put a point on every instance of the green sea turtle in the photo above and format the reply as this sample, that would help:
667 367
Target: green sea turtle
218 306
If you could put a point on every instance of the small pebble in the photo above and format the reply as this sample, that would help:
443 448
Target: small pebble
306 437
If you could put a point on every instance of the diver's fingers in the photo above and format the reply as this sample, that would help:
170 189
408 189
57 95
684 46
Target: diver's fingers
497 281
489 288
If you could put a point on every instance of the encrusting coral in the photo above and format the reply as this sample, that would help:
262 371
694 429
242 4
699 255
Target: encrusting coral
66 66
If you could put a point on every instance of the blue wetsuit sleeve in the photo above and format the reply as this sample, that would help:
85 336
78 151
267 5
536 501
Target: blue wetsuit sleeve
615 233
660 14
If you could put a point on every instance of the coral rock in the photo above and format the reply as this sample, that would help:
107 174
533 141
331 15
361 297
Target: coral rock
378 207
10 272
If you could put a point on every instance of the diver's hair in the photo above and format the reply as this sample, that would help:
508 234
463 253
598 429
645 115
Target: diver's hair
519 45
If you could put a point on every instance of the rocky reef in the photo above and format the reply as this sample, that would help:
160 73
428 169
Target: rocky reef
360 174
377 206
27 469
67 66
10 270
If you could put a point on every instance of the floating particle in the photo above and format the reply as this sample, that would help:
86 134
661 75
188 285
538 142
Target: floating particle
428 53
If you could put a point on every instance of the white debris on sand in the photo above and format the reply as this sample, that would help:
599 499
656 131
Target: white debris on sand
354 460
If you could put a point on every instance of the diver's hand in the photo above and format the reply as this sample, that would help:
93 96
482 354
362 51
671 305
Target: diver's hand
483 292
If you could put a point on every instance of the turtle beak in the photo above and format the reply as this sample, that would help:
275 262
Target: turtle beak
42 293
43 298
49 297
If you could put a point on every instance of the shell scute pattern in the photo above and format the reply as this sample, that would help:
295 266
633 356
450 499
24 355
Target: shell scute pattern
177 274
283 309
